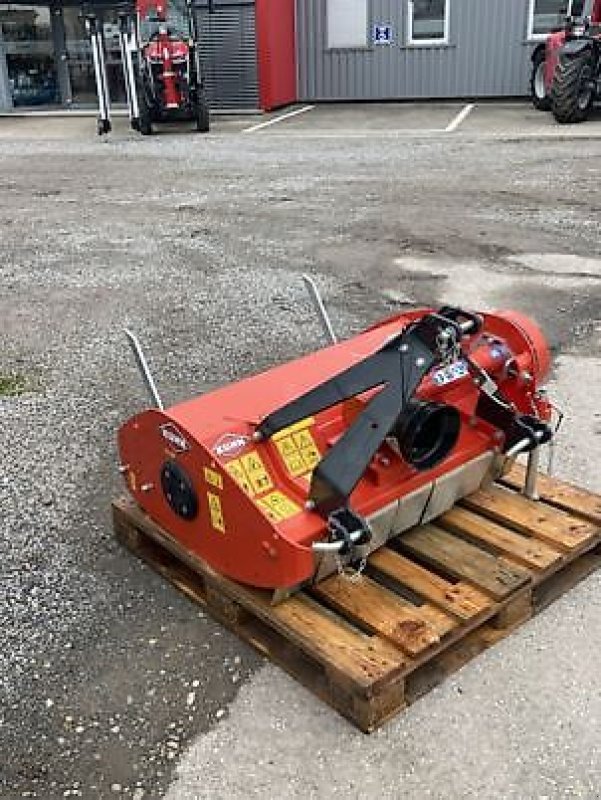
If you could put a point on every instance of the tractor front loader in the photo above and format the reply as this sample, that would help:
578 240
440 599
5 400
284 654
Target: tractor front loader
160 54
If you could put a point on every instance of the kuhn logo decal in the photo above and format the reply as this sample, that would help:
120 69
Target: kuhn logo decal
230 444
176 439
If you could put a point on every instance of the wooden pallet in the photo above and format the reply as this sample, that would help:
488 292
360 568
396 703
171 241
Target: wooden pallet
429 602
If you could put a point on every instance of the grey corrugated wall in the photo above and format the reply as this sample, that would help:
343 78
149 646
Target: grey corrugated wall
487 56
229 53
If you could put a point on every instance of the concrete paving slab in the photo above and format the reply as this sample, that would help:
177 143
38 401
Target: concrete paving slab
83 126
367 118
522 119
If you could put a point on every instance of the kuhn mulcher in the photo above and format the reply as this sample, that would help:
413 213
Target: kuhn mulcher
566 69
281 479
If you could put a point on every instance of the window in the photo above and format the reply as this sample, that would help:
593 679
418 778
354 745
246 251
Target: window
428 21
545 15
347 23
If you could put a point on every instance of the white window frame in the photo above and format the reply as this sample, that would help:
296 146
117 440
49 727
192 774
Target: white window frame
538 37
340 7
427 42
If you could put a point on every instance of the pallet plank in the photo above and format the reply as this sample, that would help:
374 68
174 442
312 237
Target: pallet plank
495 576
461 600
381 611
524 550
364 661
370 648
558 493
548 524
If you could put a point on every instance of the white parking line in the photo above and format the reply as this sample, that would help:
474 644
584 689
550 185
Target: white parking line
281 118
461 117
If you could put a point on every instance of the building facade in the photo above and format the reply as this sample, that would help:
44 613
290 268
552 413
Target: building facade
265 53
248 51
391 49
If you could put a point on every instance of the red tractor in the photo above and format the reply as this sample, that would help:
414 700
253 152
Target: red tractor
566 69
161 64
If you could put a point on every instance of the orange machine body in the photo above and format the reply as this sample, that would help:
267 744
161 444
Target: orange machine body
252 523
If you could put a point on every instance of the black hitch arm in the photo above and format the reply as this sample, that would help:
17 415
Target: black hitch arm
399 367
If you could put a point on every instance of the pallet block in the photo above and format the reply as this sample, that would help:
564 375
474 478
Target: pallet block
428 602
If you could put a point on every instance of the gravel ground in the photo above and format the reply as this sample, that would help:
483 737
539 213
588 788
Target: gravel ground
106 674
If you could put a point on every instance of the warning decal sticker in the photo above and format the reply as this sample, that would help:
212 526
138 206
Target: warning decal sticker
216 512
257 475
250 474
297 448
236 470
213 478
278 507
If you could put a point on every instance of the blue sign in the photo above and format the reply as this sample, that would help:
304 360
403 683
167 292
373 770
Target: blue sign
382 34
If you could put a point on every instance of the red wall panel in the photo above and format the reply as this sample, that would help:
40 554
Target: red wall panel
276 52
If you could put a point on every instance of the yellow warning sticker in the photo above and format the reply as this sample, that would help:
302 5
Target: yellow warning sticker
303 439
298 426
216 512
213 478
236 470
257 475
298 450
291 457
279 507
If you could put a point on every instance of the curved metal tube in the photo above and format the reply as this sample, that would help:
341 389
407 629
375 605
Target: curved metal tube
144 369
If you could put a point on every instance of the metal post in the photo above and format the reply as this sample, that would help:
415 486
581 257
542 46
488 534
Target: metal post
320 308
126 44
144 369
104 101
6 99
60 53
530 490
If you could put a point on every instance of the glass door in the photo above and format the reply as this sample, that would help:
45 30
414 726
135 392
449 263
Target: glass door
79 53
29 48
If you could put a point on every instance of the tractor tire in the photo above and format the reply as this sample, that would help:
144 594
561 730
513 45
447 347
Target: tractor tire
538 91
145 121
572 97
203 115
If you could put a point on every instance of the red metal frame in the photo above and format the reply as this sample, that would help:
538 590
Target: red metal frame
240 529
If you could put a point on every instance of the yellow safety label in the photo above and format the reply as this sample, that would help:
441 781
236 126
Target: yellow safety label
298 426
297 448
256 473
213 478
216 512
236 470
279 507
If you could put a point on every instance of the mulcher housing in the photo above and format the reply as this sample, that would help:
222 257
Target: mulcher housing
284 477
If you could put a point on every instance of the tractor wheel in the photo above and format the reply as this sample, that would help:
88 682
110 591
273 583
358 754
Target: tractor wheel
538 89
203 116
573 95
145 120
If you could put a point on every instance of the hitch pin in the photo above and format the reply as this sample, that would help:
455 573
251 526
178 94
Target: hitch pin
335 547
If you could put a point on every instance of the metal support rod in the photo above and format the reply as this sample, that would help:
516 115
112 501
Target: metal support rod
320 308
104 102
530 490
551 462
127 44
144 369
